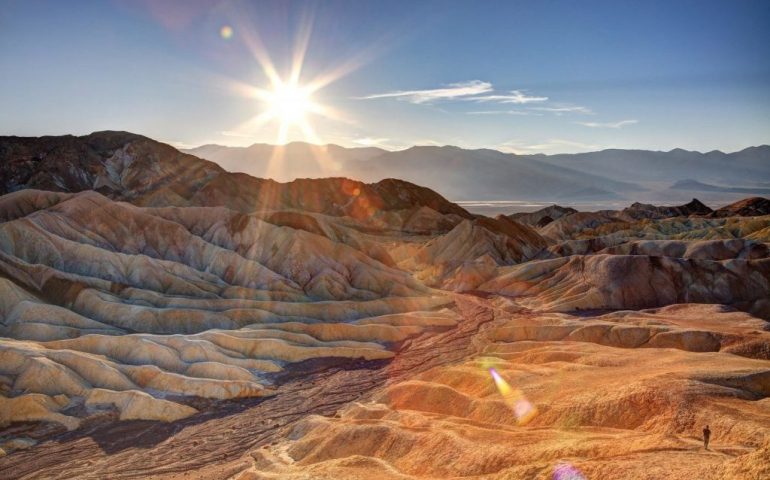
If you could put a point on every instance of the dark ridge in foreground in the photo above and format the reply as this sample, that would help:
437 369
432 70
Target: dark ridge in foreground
130 167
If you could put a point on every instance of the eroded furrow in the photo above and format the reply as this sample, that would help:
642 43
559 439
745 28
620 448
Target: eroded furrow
213 443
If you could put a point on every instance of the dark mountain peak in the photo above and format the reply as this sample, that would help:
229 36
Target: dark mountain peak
758 148
748 207
638 211
402 194
134 168
544 216
697 206
680 151
114 136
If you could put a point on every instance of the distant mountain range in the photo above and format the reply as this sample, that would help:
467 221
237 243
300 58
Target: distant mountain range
694 185
484 174
112 162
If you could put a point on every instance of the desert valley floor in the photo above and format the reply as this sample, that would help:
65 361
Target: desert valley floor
163 318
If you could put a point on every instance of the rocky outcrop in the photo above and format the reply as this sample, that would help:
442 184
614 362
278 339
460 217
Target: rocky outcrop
107 305
572 226
638 211
542 217
603 228
554 405
633 282
699 249
735 248
749 207
471 251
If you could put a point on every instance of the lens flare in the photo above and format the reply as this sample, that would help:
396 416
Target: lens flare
289 103
522 408
566 471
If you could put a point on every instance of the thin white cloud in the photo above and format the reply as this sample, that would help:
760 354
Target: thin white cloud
384 143
502 112
559 110
422 142
551 146
371 142
515 96
451 91
619 124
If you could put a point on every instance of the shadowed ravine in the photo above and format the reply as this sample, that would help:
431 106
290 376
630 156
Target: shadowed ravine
212 444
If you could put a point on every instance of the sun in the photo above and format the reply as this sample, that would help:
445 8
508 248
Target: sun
290 104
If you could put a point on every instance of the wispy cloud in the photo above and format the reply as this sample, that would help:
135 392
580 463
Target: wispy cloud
619 124
502 112
478 91
551 146
428 142
559 110
514 96
451 91
371 142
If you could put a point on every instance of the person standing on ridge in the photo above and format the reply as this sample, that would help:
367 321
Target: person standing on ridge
706 437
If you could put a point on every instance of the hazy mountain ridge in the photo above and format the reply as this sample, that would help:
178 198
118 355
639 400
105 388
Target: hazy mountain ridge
705 187
130 167
636 175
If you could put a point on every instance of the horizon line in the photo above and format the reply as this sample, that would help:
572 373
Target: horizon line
447 145
181 146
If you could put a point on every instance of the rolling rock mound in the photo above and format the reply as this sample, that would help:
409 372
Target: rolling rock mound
693 220
472 251
542 217
634 281
163 318
638 211
609 402
103 302
748 207
704 249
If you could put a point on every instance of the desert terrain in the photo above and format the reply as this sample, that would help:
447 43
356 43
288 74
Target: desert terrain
161 317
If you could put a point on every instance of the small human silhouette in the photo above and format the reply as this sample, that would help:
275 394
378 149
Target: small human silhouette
706 437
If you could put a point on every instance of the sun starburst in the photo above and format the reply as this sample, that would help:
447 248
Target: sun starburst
287 102
291 106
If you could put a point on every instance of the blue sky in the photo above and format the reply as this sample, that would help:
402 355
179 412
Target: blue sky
527 76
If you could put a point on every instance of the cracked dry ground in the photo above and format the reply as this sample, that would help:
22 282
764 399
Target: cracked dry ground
217 443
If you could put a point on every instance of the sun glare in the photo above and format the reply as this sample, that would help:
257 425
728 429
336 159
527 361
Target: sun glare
289 103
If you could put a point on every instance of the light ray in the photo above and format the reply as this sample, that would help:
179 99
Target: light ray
254 43
287 102
301 43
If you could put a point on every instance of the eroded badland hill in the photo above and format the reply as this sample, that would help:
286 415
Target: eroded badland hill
161 317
